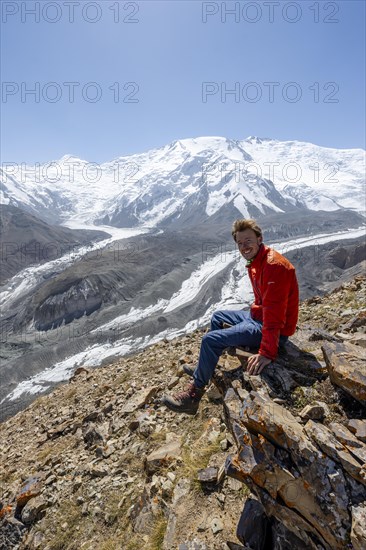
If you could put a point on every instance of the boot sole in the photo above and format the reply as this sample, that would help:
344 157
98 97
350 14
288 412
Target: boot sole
178 409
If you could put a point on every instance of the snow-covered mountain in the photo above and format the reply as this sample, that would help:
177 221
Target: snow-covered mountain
148 279
189 180
312 199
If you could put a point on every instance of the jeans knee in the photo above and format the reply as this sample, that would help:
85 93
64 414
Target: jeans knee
217 320
214 317
208 340
213 342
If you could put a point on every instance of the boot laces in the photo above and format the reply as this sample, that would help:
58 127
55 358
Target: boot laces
189 392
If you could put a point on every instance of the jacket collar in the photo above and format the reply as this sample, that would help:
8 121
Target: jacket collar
257 260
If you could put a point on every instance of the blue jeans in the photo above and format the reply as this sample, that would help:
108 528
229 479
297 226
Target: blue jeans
244 332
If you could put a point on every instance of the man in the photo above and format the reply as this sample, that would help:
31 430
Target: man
267 325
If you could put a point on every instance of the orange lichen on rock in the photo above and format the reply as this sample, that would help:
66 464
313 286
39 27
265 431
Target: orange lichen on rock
306 484
246 439
240 474
23 498
5 510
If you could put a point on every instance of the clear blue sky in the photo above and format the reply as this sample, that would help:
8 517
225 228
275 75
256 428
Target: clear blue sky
169 52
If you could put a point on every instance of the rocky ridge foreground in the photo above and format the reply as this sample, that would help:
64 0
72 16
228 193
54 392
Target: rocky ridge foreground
100 464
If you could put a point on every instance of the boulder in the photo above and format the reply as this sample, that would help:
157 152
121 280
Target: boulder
207 475
216 525
232 407
329 444
358 532
31 488
139 399
163 456
316 411
284 539
352 444
358 427
33 510
346 365
253 527
294 523
277 425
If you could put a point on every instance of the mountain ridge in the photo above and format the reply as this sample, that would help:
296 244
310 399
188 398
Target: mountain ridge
28 240
147 187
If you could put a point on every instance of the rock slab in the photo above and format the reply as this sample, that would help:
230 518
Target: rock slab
346 364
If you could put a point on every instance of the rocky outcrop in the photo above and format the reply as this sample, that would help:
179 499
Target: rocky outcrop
358 427
346 364
309 477
347 256
277 456
80 298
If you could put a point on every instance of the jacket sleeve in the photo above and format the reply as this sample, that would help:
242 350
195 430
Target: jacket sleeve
276 288
256 311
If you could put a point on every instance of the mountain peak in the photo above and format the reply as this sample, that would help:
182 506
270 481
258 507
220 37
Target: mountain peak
258 140
161 184
70 158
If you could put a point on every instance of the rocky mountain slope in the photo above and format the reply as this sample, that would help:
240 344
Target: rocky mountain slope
27 240
270 461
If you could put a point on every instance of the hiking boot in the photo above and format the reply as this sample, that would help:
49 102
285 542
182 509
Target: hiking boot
189 369
186 401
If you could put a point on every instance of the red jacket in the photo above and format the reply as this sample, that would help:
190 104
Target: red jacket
276 297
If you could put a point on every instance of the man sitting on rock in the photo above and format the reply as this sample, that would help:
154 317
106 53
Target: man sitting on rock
267 325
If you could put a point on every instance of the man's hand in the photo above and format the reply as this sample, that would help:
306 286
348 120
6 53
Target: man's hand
256 363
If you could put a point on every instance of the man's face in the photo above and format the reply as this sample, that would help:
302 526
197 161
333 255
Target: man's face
248 243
